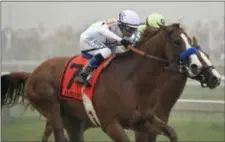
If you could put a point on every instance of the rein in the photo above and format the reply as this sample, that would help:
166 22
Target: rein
147 55
178 58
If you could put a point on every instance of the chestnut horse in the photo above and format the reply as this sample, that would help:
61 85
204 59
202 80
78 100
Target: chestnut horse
168 92
129 87
171 90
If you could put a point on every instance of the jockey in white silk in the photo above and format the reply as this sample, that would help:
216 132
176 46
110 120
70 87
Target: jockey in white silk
99 41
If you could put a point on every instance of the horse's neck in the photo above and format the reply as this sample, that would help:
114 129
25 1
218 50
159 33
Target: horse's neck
133 67
124 65
148 69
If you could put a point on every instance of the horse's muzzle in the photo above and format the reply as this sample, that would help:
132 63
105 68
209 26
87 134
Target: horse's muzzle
214 81
209 78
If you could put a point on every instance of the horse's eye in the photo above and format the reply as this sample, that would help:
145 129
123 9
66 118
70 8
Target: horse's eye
176 42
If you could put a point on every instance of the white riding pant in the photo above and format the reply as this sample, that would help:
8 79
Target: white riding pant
100 48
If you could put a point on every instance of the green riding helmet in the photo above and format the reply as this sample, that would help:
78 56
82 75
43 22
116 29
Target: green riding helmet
154 19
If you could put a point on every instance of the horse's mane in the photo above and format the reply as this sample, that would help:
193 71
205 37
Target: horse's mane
148 33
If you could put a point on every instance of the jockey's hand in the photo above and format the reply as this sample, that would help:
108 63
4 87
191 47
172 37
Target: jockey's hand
125 42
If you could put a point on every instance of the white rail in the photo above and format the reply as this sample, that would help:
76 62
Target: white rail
201 101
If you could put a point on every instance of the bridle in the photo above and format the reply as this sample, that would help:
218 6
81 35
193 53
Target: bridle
179 63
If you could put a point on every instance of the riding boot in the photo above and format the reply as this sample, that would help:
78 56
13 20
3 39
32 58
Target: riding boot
85 72
88 69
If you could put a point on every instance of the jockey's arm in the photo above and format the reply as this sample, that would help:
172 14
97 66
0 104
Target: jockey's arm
106 32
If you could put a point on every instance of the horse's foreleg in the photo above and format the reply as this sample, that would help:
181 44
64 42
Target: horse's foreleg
154 124
116 132
145 137
141 137
149 136
48 131
74 128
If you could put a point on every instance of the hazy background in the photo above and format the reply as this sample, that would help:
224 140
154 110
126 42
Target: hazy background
52 14
35 31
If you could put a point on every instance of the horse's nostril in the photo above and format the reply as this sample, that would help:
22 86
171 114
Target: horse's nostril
214 82
214 78
194 68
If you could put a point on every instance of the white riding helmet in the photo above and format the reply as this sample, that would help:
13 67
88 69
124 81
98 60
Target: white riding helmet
129 18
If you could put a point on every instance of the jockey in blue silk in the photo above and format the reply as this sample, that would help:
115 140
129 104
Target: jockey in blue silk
97 42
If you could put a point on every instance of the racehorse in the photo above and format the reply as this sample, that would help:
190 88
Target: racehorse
168 93
130 90
17 81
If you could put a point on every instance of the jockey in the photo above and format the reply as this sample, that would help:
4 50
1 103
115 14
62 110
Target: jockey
98 40
153 20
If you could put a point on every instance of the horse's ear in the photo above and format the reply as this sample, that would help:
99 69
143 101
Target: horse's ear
163 27
194 41
176 25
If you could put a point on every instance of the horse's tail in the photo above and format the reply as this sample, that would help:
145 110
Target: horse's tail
165 129
27 106
12 87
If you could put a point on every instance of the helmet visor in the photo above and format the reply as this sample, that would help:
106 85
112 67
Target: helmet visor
130 29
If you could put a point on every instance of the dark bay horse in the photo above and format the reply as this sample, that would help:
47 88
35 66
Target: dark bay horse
126 86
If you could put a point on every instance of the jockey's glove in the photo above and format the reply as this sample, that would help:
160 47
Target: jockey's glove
125 42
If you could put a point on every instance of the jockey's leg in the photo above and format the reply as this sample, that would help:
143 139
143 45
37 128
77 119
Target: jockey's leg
93 64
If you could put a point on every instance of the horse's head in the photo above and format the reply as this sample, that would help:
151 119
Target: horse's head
178 47
190 59
209 76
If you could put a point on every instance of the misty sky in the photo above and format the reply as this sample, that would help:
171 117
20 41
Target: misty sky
53 14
